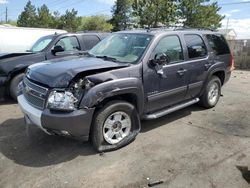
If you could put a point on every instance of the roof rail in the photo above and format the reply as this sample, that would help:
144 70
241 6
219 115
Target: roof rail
176 28
195 28
88 31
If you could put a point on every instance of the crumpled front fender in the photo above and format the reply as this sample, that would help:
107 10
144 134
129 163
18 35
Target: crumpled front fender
112 88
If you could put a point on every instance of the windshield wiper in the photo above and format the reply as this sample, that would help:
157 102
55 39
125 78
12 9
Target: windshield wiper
107 58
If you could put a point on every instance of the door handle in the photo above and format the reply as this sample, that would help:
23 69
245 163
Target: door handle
181 72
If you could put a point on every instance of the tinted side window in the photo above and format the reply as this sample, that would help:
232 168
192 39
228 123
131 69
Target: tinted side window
90 41
171 46
196 46
69 44
218 44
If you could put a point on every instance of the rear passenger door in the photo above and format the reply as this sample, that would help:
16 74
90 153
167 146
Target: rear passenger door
198 62
89 41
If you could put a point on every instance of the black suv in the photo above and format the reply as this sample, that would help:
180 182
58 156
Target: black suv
12 66
130 75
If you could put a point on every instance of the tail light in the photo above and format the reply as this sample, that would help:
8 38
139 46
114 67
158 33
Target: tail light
232 67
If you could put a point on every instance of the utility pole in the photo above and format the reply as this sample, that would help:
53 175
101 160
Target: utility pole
6 15
227 25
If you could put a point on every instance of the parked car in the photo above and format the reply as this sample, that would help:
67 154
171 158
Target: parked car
20 39
12 66
128 76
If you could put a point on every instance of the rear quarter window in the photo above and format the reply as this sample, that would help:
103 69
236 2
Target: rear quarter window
218 44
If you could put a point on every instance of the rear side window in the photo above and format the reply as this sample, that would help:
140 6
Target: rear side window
196 46
218 44
90 41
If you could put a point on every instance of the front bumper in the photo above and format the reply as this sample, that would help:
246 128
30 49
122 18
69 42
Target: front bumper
74 124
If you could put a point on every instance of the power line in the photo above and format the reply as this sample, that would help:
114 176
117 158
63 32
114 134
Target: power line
70 5
56 3
236 3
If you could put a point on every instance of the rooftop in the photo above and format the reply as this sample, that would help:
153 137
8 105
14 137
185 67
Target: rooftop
157 31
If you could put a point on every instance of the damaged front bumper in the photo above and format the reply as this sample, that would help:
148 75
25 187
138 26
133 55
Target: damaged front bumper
74 124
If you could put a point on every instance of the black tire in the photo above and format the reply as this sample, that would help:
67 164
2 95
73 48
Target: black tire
204 99
14 85
97 135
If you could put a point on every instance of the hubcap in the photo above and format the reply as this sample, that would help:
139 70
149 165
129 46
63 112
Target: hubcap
116 127
213 93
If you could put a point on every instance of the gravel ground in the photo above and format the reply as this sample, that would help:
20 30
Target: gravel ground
189 148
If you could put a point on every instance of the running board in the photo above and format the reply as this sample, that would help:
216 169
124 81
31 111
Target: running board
170 110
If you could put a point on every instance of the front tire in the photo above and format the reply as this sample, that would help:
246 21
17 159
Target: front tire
114 125
212 93
14 85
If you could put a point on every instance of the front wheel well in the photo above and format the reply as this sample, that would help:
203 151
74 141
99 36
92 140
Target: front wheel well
220 75
130 98
15 73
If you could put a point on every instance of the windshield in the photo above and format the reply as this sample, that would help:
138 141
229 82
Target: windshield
127 48
41 44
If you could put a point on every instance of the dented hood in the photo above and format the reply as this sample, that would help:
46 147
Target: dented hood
58 73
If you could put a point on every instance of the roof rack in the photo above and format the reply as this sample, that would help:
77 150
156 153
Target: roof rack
88 31
175 28
195 28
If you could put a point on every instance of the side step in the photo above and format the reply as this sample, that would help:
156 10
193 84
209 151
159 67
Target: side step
170 110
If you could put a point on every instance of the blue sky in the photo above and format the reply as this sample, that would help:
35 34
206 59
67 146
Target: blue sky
238 15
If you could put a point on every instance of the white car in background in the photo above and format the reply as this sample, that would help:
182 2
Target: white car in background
21 39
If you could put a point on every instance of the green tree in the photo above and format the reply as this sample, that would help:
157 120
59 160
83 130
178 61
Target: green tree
28 18
70 21
121 18
56 20
96 23
44 19
199 13
152 13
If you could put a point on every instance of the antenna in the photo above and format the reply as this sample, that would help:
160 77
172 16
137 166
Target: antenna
6 15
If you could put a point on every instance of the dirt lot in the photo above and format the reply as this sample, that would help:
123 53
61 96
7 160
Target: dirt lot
189 148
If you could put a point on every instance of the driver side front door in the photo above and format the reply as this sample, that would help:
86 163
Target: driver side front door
70 44
168 86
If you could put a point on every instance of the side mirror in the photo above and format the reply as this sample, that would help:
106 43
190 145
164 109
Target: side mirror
157 63
160 59
57 49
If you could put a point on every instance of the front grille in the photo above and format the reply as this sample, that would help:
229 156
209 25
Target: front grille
34 94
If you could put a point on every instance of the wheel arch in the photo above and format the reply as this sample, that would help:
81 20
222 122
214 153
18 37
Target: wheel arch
219 72
12 75
16 71
221 75
129 90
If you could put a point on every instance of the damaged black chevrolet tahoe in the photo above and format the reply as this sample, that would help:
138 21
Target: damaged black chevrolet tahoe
130 75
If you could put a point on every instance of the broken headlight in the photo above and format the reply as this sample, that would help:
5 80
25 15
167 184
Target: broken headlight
69 100
61 100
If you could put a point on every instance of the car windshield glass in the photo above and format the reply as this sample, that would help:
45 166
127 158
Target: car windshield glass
41 44
122 47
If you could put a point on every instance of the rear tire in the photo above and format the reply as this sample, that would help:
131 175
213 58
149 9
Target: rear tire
14 85
114 126
212 93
